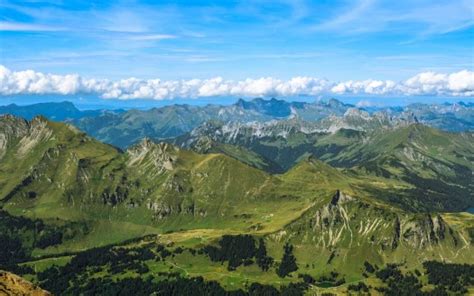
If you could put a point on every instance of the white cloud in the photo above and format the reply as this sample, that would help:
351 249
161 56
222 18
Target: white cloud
427 83
371 87
458 84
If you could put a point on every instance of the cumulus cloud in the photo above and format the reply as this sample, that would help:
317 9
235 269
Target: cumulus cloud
427 83
460 83
372 87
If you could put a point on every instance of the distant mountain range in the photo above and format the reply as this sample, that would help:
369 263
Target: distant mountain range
124 128
54 111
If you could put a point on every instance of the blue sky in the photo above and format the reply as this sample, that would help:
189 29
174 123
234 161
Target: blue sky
185 40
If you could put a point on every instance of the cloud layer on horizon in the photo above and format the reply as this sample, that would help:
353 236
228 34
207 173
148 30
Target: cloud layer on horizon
30 82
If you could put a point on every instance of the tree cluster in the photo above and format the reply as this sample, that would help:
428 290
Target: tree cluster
58 280
455 277
288 262
359 287
238 250
20 235
369 267
74 278
447 279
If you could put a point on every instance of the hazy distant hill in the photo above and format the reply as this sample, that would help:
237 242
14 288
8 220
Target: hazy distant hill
54 111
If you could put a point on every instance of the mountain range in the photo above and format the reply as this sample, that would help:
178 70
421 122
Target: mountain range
234 198
123 128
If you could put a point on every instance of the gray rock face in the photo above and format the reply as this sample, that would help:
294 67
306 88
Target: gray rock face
346 222
159 156
25 134
425 231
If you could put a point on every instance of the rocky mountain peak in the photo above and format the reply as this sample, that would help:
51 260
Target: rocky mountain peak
38 122
358 113
160 156
335 103
13 126
273 107
147 145
240 103
27 133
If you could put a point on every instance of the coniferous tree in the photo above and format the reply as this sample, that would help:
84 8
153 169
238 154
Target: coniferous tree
263 261
288 262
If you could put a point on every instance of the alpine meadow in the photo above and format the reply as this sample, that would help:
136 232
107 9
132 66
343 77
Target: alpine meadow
236 148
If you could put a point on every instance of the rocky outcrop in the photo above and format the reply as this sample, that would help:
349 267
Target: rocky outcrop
424 231
12 126
158 157
38 132
25 134
11 284
14 129
348 222
162 210
114 195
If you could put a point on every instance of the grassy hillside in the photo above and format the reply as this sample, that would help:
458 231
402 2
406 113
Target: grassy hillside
433 167
72 193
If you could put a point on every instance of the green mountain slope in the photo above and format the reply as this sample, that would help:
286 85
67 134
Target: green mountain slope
88 194
52 170
52 165
436 165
